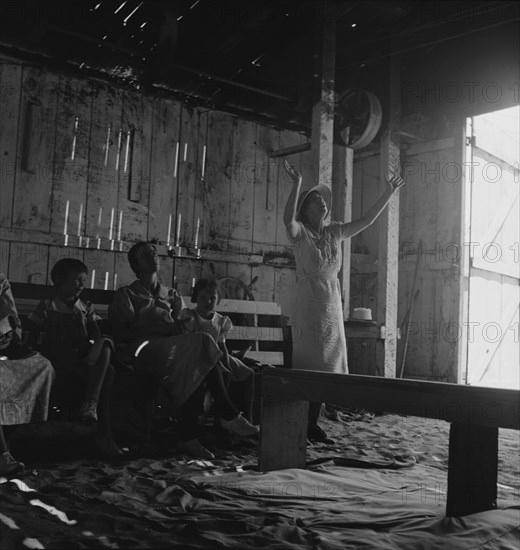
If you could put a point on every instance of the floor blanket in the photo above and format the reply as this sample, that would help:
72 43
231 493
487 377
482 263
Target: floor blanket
381 486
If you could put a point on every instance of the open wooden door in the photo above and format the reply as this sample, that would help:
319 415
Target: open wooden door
492 235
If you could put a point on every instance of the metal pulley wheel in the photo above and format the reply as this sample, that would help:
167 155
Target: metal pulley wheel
358 118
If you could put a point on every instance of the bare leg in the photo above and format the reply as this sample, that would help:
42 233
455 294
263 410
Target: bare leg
242 394
231 419
102 377
97 374
217 386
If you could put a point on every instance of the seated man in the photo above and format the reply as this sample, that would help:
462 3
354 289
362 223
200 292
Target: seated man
26 379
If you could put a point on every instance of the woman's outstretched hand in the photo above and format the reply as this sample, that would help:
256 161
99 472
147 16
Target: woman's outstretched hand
293 173
394 182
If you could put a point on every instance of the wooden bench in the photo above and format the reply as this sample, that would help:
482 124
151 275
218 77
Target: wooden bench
475 415
259 325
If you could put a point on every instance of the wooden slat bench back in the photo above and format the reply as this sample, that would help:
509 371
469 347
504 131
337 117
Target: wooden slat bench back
258 324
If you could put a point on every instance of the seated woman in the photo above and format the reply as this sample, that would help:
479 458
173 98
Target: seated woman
26 379
149 335
73 342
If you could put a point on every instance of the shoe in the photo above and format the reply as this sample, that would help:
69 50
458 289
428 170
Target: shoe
8 465
193 447
318 435
239 426
88 412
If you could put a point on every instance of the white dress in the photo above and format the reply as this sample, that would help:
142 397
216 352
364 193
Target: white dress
318 332
218 327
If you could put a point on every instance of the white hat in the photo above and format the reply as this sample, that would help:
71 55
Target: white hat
323 190
361 314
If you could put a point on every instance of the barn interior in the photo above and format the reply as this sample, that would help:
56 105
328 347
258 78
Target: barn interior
168 122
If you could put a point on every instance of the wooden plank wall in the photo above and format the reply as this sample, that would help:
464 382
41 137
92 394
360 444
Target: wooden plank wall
430 212
130 166
88 169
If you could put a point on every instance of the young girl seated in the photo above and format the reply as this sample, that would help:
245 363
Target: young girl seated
73 342
204 318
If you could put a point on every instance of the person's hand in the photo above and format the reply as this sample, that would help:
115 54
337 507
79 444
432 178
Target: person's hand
292 171
395 182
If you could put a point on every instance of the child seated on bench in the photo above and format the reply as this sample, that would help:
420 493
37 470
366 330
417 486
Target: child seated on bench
73 342
204 318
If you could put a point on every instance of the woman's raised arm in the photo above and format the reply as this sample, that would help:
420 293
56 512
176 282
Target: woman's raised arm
289 216
356 226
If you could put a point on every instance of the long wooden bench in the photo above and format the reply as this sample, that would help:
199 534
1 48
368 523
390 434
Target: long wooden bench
259 325
475 415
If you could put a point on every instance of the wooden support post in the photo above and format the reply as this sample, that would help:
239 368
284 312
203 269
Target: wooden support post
323 112
283 439
342 179
472 469
386 350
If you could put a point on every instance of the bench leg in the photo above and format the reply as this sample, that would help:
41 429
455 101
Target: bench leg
472 469
283 435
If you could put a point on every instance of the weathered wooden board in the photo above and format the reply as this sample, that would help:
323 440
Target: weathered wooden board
199 175
71 159
263 288
367 189
5 247
186 274
219 164
134 169
28 263
450 203
163 174
37 131
106 149
101 266
284 289
123 274
265 215
187 169
242 186
10 89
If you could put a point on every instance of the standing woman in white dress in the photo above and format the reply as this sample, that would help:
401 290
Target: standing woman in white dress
318 332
